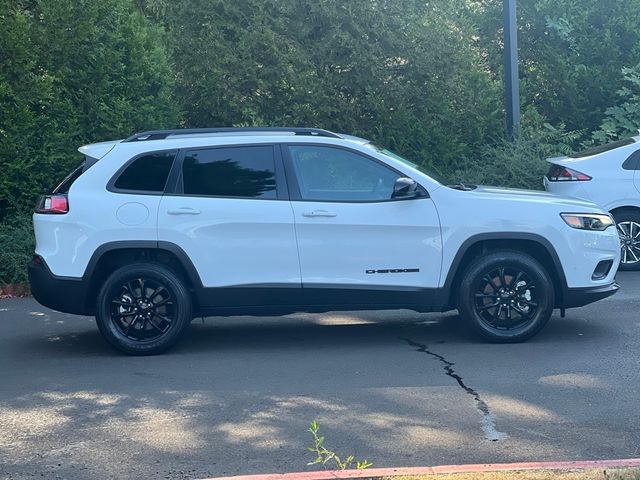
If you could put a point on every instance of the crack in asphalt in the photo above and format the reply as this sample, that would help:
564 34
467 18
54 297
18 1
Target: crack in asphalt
488 421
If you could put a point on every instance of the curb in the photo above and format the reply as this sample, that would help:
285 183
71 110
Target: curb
444 469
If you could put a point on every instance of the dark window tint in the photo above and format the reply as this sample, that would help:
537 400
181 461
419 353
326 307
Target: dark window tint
633 162
334 174
65 185
147 174
230 172
603 148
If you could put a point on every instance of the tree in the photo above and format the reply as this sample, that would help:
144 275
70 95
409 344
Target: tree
78 72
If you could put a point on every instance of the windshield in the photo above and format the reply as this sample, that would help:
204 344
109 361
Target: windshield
430 173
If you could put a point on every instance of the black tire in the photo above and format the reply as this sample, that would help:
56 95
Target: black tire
628 225
506 296
143 309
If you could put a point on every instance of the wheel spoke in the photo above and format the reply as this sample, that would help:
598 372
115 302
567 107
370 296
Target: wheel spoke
520 312
487 307
133 321
634 255
143 292
162 317
486 295
162 302
155 325
517 279
156 292
503 282
490 281
124 304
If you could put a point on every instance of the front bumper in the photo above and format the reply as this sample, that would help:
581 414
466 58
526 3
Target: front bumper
579 297
63 294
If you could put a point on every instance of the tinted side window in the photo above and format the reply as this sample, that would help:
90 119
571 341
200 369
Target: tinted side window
334 174
147 174
230 172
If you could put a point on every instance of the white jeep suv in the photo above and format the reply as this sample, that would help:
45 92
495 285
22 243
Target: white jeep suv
152 231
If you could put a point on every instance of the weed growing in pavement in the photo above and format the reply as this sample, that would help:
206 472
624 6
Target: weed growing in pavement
324 455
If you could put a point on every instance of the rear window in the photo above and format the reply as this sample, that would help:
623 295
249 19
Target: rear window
247 172
148 173
65 185
603 148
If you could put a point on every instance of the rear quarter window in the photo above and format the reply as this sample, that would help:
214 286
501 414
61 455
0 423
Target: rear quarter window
146 174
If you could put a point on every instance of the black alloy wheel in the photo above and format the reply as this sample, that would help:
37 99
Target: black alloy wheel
506 296
143 309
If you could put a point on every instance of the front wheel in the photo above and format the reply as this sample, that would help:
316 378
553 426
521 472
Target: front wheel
506 297
143 309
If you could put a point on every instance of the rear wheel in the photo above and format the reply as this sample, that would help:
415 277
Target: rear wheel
628 224
506 297
143 309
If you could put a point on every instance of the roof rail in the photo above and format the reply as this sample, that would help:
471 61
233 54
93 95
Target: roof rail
162 134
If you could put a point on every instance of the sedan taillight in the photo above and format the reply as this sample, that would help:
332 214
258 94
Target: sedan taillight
53 204
558 173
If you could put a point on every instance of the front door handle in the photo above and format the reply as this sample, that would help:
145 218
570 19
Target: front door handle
318 213
184 211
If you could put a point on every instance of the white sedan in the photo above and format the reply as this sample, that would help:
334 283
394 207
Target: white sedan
608 175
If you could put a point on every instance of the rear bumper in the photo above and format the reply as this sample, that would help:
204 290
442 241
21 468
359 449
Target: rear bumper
579 297
63 294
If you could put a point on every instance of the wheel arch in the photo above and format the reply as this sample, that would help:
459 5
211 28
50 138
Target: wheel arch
625 208
531 244
110 256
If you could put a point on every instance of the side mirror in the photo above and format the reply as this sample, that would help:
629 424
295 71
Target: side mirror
405 188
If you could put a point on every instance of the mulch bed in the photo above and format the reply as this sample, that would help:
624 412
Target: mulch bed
14 290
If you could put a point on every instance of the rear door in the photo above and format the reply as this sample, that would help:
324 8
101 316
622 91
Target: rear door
351 234
230 213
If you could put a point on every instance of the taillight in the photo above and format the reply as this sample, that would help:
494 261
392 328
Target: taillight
53 204
558 173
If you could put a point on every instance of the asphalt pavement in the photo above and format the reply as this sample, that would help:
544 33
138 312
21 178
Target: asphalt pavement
236 396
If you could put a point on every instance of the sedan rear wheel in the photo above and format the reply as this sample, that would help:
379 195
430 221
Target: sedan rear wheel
628 224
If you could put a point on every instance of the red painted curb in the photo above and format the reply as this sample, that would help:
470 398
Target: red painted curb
390 472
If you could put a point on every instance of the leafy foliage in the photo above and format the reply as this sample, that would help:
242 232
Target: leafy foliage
16 249
520 163
324 455
78 72
407 74
622 120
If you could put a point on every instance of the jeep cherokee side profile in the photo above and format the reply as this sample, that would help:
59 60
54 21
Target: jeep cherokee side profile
152 231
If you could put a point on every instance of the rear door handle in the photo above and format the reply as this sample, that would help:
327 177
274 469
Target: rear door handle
184 211
319 213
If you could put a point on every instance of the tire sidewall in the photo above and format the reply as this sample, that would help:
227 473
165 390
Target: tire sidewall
545 295
170 281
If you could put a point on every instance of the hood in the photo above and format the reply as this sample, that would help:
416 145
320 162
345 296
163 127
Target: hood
534 196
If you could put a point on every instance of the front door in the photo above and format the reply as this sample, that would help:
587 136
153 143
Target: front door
352 236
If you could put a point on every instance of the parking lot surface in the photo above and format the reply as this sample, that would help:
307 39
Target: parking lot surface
237 394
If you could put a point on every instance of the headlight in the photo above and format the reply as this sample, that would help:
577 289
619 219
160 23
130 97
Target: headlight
588 221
